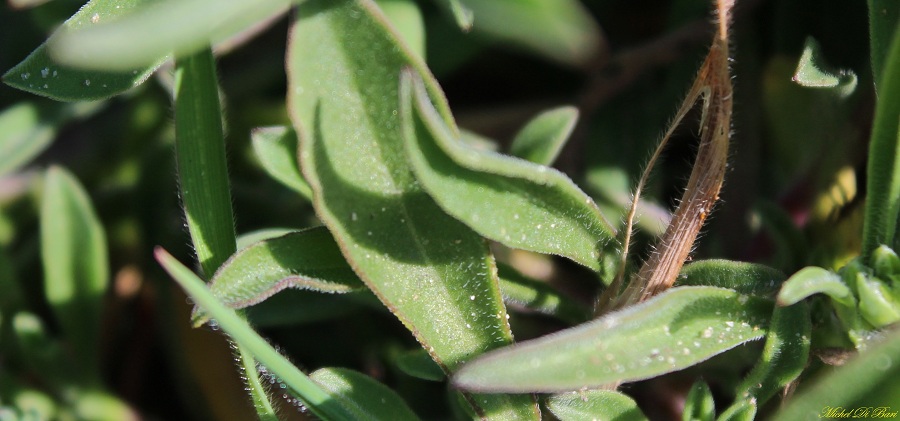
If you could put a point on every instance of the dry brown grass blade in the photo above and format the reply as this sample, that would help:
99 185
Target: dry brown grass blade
713 85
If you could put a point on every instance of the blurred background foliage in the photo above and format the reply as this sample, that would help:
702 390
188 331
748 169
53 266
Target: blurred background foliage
792 196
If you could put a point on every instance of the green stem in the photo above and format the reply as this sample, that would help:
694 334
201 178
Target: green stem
883 17
883 185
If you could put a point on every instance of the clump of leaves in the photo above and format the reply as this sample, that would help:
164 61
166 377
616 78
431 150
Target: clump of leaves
415 215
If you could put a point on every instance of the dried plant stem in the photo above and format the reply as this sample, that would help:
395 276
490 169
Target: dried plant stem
713 85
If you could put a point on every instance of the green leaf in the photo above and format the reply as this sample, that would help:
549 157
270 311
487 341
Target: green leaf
883 18
254 386
307 259
885 262
248 239
178 27
883 172
362 396
876 304
743 411
869 380
699 404
672 331
745 278
75 261
815 280
417 363
276 149
406 18
202 166
461 13
544 136
518 289
40 353
432 272
45 75
784 356
561 30
599 405
320 402
518 203
812 72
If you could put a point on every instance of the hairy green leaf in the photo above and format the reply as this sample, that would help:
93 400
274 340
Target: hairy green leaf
363 396
162 28
876 303
518 289
699 404
784 356
544 136
599 405
672 331
812 72
75 261
745 278
42 74
320 402
885 262
869 381
304 260
276 148
518 203
406 18
815 280
432 272
743 411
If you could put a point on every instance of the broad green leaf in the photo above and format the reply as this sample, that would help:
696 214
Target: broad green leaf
518 289
363 396
561 30
745 278
42 74
461 13
276 149
303 260
293 307
699 404
202 166
406 18
431 271
75 261
815 280
598 405
544 136
672 331
417 363
320 402
743 411
518 203
883 18
784 356
28 128
812 72
869 380
883 170
178 27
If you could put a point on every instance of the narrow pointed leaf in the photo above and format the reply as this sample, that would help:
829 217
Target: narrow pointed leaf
677 329
363 396
303 260
699 404
784 356
599 405
814 280
869 380
520 204
537 296
75 261
544 136
319 401
417 363
259 395
432 272
178 27
276 149
461 13
746 278
812 72
44 75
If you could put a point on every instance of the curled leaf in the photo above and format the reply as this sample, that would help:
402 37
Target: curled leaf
814 280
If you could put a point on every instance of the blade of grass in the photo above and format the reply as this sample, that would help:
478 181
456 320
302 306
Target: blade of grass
883 172
316 399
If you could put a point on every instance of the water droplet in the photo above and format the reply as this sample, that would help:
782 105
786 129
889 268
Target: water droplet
353 216
707 333
516 216
87 82
883 363
472 297
95 18
686 351
25 76
729 324
45 72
